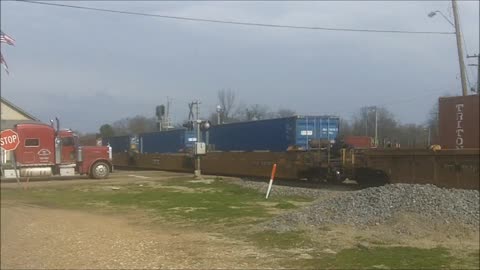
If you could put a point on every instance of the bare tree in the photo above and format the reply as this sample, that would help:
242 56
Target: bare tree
364 125
106 130
285 113
256 112
120 127
344 129
387 125
140 124
135 125
226 98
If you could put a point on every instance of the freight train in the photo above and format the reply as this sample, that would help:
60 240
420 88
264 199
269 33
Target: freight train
306 147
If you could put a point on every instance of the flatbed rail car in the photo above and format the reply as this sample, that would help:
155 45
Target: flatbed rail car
369 167
290 165
452 168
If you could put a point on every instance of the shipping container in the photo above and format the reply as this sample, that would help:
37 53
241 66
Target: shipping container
171 141
359 141
119 144
274 135
458 122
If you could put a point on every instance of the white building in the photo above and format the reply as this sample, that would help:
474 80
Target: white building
11 115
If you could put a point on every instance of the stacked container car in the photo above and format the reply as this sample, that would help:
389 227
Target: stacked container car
275 135
171 141
119 144
458 122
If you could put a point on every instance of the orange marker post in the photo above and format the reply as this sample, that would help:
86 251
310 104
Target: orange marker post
274 169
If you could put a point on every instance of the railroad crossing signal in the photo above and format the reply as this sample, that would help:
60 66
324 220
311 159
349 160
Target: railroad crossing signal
9 140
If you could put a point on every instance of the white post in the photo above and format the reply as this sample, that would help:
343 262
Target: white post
274 169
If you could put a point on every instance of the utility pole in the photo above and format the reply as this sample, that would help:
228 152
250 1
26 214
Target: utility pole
368 109
429 137
196 109
167 114
219 110
376 126
366 121
459 47
478 70
197 172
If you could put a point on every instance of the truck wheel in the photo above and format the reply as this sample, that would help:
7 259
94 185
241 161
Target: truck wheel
100 170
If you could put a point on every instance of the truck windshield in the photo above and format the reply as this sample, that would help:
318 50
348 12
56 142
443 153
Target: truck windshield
68 141
76 140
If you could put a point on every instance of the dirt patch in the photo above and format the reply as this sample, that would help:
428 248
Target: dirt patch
37 237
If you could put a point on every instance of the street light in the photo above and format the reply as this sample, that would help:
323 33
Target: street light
219 110
369 109
433 13
429 135
459 42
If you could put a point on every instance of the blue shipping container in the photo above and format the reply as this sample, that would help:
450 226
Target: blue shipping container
274 135
171 141
119 144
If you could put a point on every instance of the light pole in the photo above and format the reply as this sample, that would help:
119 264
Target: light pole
459 42
376 126
197 172
433 13
367 110
429 136
219 110
366 122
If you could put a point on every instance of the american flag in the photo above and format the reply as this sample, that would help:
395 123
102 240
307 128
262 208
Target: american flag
3 63
4 38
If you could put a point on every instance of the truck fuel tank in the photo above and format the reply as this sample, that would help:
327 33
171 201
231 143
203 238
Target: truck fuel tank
38 171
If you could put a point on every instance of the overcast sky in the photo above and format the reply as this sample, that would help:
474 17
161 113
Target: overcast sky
90 68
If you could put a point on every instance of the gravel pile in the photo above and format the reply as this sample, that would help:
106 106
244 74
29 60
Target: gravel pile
378 205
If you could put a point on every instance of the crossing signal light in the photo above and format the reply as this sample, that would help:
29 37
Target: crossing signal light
188 125
160 110
205 125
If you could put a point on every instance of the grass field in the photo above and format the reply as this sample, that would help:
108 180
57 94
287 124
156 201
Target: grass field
216 204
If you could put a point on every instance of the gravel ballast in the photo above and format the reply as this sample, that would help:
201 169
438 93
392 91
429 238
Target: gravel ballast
377 205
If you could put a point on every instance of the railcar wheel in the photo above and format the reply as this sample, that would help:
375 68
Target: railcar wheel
100 170
371 178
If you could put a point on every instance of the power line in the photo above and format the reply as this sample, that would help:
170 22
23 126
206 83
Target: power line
237 22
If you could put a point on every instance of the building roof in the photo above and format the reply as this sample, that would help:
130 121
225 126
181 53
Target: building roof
8 124
18 109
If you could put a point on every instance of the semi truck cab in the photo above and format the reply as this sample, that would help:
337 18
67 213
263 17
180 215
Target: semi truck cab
44 151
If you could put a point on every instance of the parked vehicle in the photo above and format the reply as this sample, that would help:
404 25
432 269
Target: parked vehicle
44 151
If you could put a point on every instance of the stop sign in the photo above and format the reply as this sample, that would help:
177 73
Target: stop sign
9 140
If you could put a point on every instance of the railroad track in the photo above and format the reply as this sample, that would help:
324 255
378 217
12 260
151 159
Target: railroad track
446 168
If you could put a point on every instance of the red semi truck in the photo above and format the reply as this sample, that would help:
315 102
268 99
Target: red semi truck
43 150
